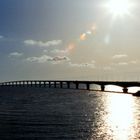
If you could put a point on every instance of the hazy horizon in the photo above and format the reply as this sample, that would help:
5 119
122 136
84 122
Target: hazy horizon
65 39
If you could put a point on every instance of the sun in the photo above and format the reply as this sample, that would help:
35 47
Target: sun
119 7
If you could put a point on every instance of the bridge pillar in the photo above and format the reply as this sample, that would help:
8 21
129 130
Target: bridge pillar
35 83
40 83
27 83
31 83
61 84
54 84
125 90
44 83
23 83
68 84
49 84
77 85
88 86
19 84
102 87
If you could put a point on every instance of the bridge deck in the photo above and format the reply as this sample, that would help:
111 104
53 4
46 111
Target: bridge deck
102 84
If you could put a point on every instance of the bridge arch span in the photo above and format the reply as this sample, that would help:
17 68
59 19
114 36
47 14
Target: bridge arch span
95 86
113 88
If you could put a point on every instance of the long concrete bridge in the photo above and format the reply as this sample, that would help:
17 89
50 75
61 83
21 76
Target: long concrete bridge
68 84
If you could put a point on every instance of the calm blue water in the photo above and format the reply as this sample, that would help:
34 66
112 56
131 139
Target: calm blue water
61 114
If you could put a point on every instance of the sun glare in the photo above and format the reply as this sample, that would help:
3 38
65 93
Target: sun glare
119 7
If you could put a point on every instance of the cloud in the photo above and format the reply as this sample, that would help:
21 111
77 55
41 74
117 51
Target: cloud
65 51
46 58
1 36
83 65
15 54
120 64
56 51
41 59
59 59
123 63
42 43
118 56
45 51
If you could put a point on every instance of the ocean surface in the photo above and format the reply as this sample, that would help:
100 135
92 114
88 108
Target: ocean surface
67 114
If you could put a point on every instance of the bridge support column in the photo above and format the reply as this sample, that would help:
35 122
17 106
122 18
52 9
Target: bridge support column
31 83
23 83
49 84
68 84
39 82
77 85
35 83
44 83
27 83
19 84
54 84
102 87
125 90
61 84
88 86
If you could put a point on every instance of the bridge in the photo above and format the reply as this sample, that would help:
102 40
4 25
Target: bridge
68 84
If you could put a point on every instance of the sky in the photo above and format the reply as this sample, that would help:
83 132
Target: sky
69 40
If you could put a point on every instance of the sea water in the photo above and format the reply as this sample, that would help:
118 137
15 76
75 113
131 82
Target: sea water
61 114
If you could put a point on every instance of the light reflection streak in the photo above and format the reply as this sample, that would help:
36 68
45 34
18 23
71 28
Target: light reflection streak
120 116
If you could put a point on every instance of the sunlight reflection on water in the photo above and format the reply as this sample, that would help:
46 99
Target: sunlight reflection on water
120 116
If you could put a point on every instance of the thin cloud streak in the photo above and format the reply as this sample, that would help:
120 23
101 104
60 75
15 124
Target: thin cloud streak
83 65
57 51
118 56
46 58
15 54
42 43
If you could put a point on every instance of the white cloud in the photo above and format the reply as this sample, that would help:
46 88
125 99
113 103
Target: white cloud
57 51
46 58
120 64
42 43
59 59
123 63
133 62
41 59
118 56
83 65
15 54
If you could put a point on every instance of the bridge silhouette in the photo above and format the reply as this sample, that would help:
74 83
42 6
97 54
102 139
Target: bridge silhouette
68 84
